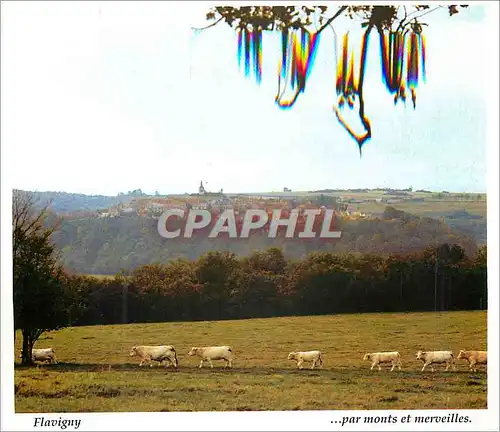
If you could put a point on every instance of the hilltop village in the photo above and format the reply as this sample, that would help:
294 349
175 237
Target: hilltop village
345 205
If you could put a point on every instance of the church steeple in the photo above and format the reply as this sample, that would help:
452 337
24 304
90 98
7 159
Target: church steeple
201 189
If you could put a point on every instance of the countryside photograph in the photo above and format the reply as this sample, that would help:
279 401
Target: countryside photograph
246 208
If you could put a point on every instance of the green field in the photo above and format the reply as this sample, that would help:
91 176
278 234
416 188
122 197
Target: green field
95 372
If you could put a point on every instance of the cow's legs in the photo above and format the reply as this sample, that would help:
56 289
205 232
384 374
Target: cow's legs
425 364
373 365
379 368
393 366
201 363
211 364
299 364
447 367
313 364
230 362
320 362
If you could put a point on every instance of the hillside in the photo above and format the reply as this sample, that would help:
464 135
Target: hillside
61 202
108 245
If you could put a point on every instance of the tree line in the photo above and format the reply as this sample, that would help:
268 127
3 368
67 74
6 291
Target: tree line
222 285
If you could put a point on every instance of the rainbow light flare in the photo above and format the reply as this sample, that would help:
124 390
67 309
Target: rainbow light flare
250 47
402 54
346 84
393 46
415 56
349 87
298 52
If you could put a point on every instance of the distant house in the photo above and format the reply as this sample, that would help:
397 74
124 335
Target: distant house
201 206
113 213
128 211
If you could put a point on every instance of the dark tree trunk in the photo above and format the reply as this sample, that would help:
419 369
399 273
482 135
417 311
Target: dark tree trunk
27 348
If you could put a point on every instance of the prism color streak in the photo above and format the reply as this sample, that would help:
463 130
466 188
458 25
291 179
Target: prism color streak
250 45
297 57
402 57
349 88
392 48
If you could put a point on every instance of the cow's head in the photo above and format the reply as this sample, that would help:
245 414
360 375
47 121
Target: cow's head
193 351
133 352
292 356
461 354
367 356
420 355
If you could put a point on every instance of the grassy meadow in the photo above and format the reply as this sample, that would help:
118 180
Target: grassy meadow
96 374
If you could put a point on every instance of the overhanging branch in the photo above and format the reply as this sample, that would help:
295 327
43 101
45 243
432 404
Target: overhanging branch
208 26
333 18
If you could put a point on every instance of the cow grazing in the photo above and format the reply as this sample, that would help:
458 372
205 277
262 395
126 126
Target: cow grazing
213 353
436 357
42 355
474 358
159 354
306 356
384 357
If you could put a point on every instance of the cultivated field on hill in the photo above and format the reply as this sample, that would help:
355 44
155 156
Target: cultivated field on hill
95 372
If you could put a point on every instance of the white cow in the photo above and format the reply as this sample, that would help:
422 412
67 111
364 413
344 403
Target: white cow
438 357
309 356
474 357
42 355
155 353
392 357
213 353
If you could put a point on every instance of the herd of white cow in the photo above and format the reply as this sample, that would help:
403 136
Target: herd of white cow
166 353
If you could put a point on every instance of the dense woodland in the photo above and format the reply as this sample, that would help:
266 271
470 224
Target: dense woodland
107 246
220 285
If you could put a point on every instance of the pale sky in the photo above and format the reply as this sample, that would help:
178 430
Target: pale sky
102 98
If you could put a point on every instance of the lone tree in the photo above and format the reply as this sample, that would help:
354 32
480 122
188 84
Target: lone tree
39 289
399 29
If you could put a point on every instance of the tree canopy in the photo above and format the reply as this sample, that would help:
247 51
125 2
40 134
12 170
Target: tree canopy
400 31
39 289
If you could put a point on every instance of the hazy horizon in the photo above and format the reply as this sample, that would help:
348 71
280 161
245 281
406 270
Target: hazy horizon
194 191
124 101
